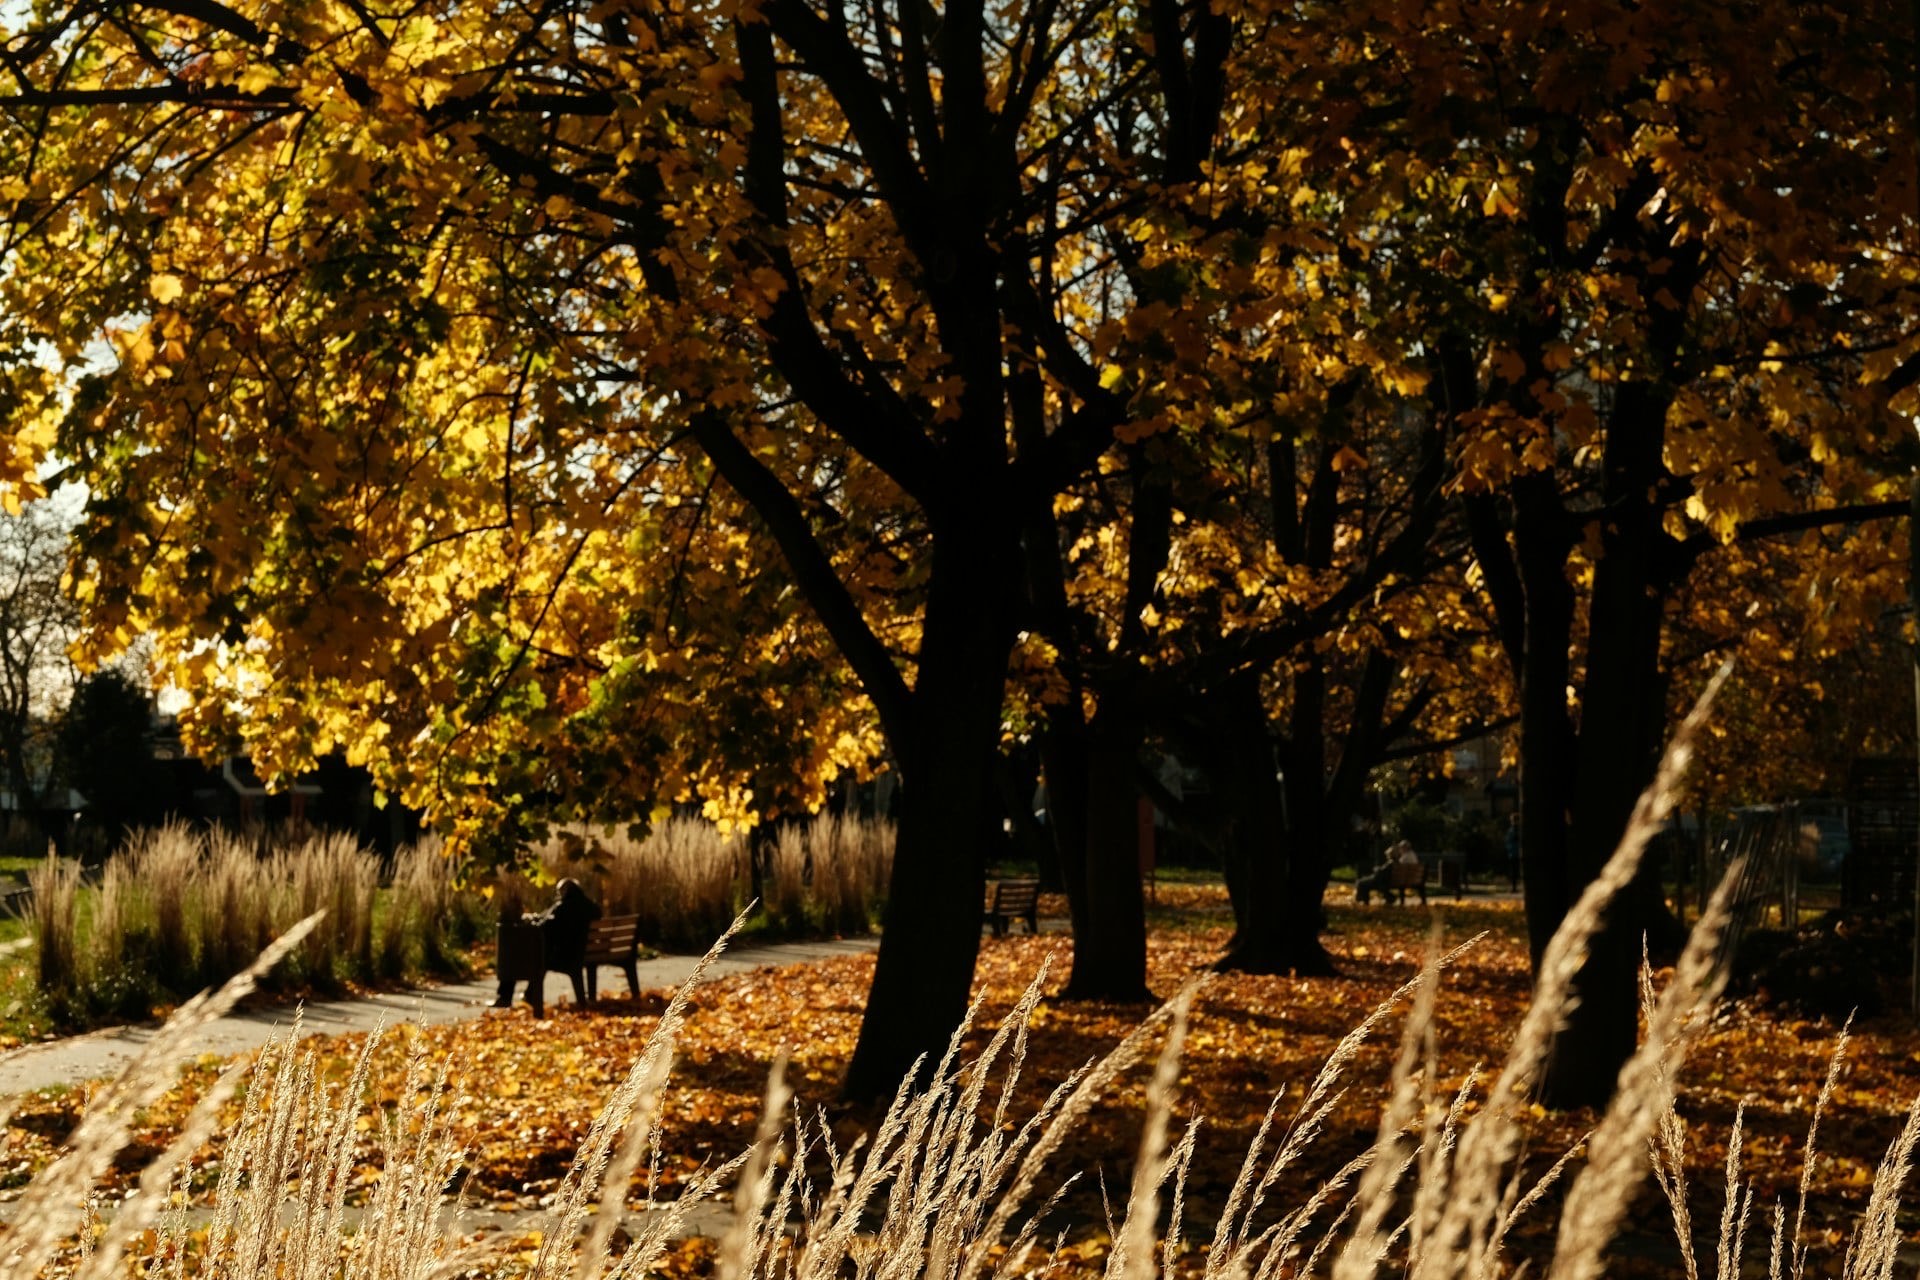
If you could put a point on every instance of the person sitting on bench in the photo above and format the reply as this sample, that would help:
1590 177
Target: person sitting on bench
1382 877
565 925
563 932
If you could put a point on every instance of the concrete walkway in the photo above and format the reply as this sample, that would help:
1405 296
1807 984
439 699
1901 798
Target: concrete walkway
104 1053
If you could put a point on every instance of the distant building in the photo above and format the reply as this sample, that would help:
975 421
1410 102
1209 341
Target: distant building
335 795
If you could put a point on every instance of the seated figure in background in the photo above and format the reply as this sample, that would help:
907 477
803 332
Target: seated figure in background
1382 877
559 947
565 925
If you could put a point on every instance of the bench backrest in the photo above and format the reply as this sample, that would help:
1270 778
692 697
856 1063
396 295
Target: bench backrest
1408 874
613 935
1015 897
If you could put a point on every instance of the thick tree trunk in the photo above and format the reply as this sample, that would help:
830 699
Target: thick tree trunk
1064 760
931 932
1620 726
1110 921
1309 866
1546 729
923 974
1279 926
1110 941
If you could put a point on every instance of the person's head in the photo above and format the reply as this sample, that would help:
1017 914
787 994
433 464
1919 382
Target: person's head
568 890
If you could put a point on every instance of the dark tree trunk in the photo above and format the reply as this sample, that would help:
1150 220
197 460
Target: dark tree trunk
1279 932
923 975
1308 865
1546 728
1622 709
1321 801
1109 917
1601 1029
1110 940
924 972
1064 762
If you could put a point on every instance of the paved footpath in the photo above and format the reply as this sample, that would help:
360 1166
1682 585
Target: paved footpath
104 1053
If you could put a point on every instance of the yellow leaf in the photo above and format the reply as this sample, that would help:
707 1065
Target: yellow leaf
165 287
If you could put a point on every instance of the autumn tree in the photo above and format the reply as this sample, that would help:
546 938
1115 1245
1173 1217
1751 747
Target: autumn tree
1816 623
422 317
1652 257
103 747
1302 576
436 337
1252 582
37 623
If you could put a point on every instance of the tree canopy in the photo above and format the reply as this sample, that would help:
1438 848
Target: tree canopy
574 408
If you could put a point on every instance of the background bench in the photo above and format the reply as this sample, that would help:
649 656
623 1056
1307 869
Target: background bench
1446 872
1403 876
1010 900
615 941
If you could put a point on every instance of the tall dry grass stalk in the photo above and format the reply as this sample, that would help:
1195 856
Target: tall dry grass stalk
686 881
943 1188
56 923
233 899
52 1205
289 1165
327 872
683 879
830 873
178 908
167 861
430 918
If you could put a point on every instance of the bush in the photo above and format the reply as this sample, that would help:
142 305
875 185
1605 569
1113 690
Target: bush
179 909
429 920
56 925
829 874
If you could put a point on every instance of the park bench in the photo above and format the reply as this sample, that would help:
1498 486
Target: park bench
1446 872
615 941
1010 900
1402 876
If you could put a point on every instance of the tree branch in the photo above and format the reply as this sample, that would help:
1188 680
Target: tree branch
814 573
